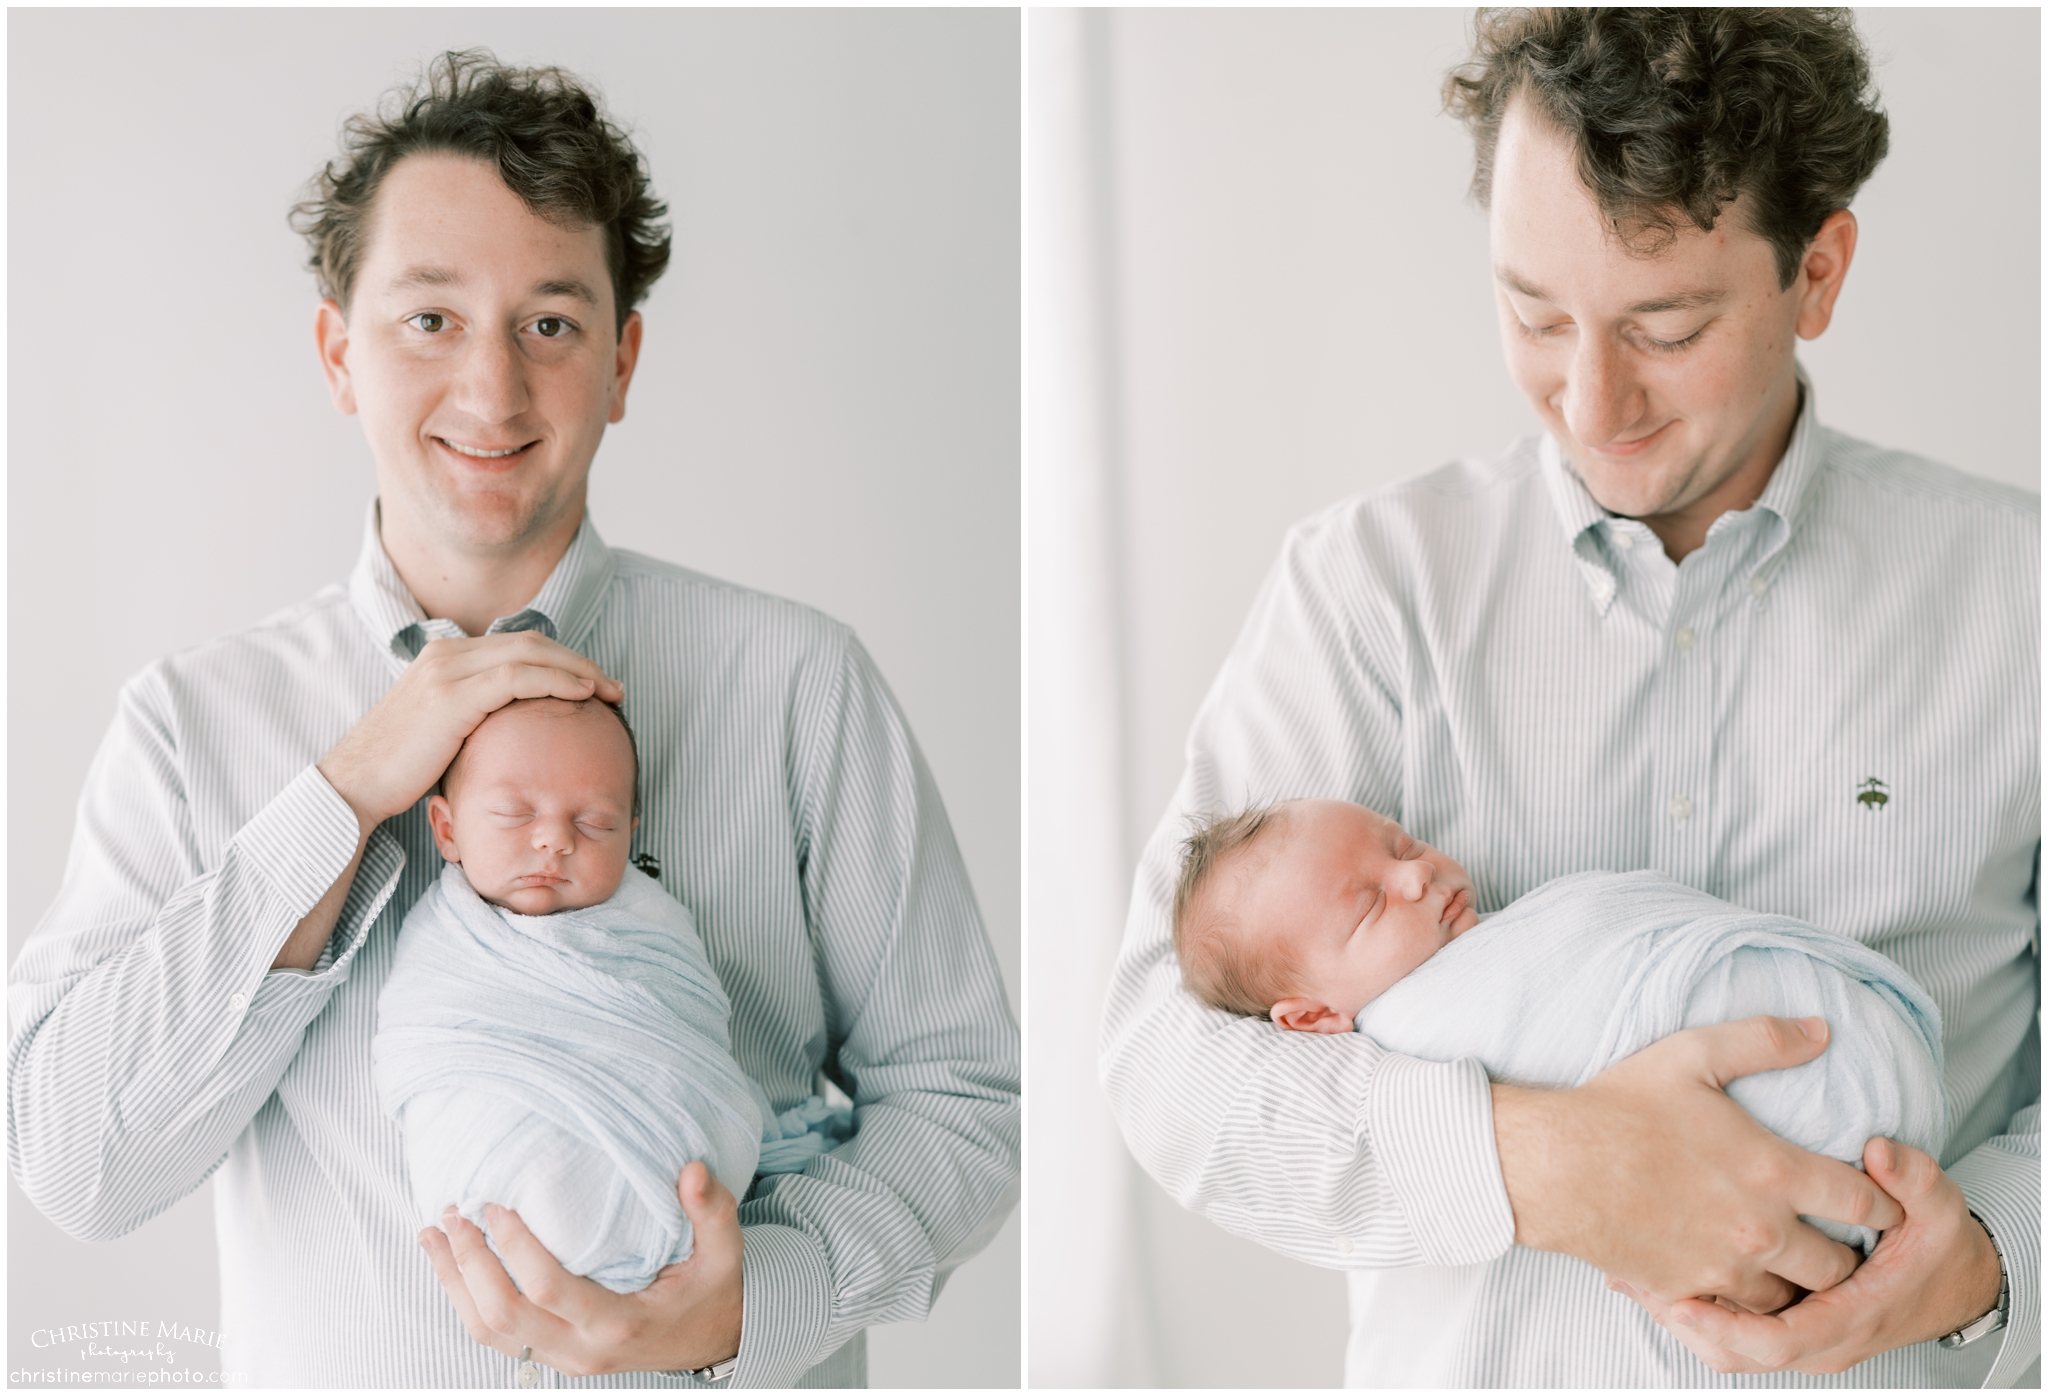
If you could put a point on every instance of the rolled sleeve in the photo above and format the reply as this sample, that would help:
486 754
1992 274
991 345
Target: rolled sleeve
788 1285
2001 1180
1434 1121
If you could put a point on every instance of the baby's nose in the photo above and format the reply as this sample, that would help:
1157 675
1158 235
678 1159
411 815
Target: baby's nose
1411 879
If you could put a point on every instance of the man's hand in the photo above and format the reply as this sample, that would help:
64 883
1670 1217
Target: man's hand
1930 1274
1652 1174
689 1317
401 747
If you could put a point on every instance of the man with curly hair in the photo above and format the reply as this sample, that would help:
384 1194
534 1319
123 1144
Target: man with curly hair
1687 628
202 995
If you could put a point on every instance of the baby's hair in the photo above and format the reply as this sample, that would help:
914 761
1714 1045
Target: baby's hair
617 710
1215 963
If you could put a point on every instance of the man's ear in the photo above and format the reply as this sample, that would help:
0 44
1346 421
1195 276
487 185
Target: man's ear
1824 267
1308 1015
330 336
627 355
441 819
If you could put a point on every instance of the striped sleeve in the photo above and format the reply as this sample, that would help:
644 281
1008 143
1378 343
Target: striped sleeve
146 1025
1326 1149
922 1036
2001 1180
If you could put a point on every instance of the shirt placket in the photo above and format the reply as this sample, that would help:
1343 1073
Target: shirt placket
1690 813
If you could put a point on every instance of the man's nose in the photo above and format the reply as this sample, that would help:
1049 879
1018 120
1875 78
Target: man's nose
491 383
1602 399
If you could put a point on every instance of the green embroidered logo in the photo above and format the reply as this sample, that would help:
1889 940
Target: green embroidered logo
1873 796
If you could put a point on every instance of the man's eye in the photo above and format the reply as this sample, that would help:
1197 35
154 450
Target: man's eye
550 327
432 321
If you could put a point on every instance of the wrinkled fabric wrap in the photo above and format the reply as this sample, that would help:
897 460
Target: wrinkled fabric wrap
1587 969
567 1067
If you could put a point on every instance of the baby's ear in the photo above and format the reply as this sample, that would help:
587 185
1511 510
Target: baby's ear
1308 1015
441 819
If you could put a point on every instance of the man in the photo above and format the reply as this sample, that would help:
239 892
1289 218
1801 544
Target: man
1689 629
253 832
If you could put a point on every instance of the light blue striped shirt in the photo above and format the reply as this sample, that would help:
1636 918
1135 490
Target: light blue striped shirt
1535 688
788 808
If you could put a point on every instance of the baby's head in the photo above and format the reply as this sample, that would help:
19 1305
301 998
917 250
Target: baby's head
1308 910
540 804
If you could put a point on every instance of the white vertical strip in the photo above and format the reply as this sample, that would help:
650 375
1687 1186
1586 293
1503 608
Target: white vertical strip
1087 1326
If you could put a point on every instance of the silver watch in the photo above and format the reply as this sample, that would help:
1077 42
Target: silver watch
1995 1320
719 1371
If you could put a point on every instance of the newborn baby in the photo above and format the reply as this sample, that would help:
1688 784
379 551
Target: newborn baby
1324 916
552 1037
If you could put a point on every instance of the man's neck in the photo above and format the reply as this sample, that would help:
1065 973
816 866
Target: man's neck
470 586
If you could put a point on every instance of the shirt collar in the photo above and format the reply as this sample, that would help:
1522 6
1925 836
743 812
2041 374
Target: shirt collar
1580 514
565 608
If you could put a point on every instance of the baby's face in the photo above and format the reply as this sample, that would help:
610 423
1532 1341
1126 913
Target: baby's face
539 806
1360 902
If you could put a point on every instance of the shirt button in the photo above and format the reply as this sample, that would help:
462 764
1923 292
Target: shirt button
1343 1245
238 1001
1681 808
1685 637
1623 539
529 1375
1759 585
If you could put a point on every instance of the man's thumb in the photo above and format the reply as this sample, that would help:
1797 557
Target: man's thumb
1750 1045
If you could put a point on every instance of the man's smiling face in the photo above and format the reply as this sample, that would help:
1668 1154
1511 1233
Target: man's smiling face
1667 378
479 350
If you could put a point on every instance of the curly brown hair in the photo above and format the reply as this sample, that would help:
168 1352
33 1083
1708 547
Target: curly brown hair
543 130
1676 112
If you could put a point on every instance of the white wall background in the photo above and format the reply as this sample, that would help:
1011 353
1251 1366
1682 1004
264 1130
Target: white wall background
1257 287
827 408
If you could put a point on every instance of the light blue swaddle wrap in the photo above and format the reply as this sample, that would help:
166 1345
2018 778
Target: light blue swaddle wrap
1587 969
567 1066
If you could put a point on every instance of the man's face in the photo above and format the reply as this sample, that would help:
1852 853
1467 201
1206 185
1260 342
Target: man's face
1667 378
479 350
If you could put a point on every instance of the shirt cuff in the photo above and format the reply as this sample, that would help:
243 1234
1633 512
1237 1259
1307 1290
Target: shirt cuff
1432 1124
301 840
2004 1189
786 1305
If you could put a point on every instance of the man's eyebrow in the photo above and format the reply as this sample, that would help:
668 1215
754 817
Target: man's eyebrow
576 290
426 276
1684 300
448 276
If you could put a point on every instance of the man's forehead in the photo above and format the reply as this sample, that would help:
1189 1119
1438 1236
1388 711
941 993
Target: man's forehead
1551 238
447 221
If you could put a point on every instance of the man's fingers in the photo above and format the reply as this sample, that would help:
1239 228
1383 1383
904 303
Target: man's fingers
462 659
498 1304
1762 1293
714 1215
1906 1175
541 1277
1749 1045
1811 1261
449 1272
1828 1188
